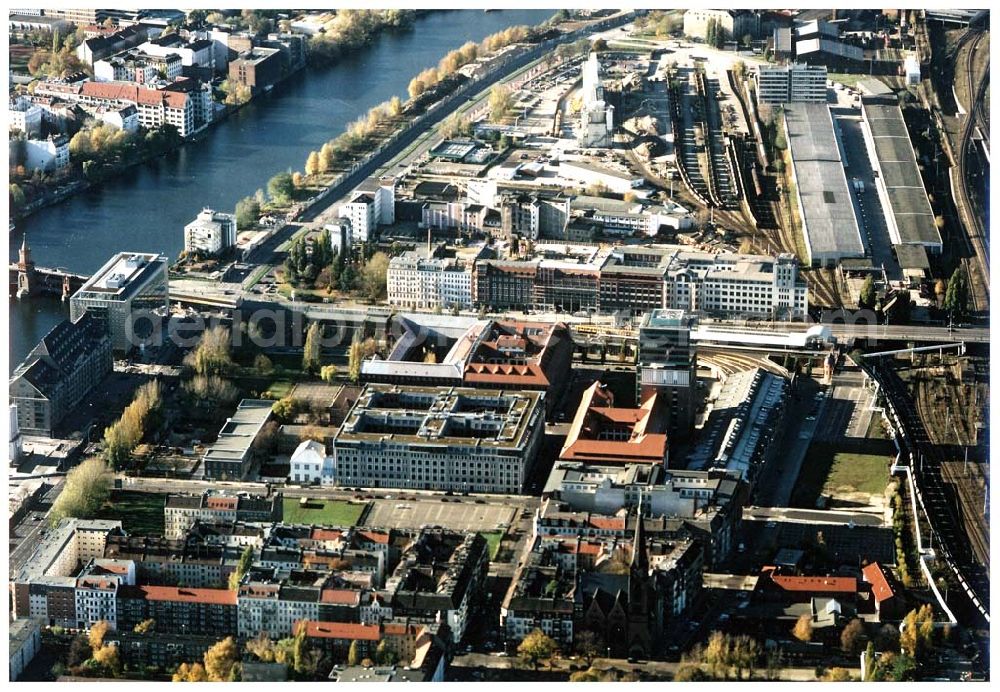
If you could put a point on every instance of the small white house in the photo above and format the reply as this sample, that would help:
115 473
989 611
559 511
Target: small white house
46 154
911 68
307 462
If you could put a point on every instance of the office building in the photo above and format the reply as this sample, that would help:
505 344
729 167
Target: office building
667 367
258 69
597 117
233 454
475 440
128 294
68 362
791 83
602 433
211 233
735 24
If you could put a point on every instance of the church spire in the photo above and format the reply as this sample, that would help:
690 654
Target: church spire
640 560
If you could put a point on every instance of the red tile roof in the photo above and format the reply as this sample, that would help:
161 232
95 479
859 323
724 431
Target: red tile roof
612 523
123 91
875 575
338 630
180 594
375 536
340 596
326 534
815 584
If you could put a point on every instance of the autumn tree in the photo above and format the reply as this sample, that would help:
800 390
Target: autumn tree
95 637
690 672
852 637
190 673
373 277
500 102
287 408
212 354
145 627
866 297
311 351
242 567
328 373
221 659
718 654
537 646
353 654
916 632
313 166
803 629
107 658
280 188
385 656
85 490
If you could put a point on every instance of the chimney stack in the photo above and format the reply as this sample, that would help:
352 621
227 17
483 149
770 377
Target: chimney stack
429 253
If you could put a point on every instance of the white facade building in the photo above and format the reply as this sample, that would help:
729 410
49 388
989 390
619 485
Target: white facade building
210 233
46 154
596 115
124 118
360 213
24 116
911 68
14 444
790 83
415 281
307 462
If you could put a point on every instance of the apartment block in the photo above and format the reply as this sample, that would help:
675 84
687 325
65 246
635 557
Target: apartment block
788 83
181 512
211 232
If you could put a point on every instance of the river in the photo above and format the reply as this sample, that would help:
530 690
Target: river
145 209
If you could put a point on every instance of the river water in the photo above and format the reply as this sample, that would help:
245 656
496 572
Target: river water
145 209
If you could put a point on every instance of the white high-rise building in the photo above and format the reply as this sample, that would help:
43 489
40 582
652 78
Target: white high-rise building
791 83
210 233
596 115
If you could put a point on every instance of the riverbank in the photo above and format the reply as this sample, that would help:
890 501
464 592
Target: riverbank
78 180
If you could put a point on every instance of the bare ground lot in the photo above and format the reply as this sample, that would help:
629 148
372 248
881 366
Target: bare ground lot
461 514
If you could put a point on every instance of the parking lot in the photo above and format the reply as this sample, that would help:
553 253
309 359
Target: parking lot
458 513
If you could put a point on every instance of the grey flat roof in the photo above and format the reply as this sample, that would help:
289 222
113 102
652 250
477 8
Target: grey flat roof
831 228
912 257
897 166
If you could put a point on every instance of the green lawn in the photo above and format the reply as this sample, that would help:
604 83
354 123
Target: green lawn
140 513
279 389
850 80
326 512
831 470
493 539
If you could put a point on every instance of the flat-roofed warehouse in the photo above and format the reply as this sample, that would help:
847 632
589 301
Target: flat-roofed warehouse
829 225
908 213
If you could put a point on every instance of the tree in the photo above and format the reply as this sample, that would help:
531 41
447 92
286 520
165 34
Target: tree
220 660
395 107
537 646
744 654
247 212
145 627
311 350
212 354
690 672
373 277
916 633
588 644
16 197
589 675
242 567
500 102
599 45
803 629
353 655
313 166
718 654
190 673
385 656
286 409
261 647
852 637
262 364
280 188
211 390
956 298
85 490
837 675
107 658
866 298
328 373
95 637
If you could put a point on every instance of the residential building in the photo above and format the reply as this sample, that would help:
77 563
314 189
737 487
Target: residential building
360 212
52 565
666 367
129 295
211 233
97 589
164 562
259 69
476 440
198 52
156 107
135 65
788 83
534 216
604 434
93 49
182 512
68 362
119 117
888 594
440 578
233 454
49 154
734 23
178 610
24 116
24 640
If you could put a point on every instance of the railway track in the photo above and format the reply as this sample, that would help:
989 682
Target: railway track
950 536
975 236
